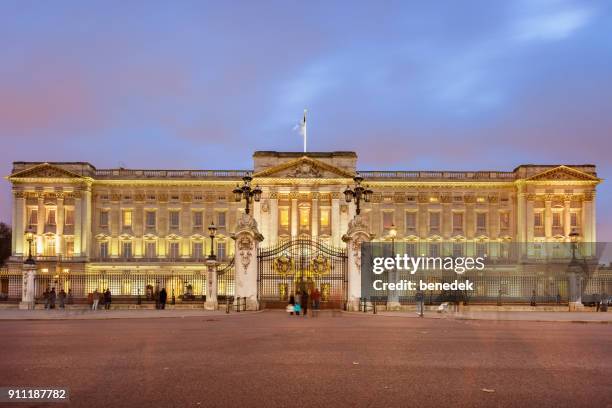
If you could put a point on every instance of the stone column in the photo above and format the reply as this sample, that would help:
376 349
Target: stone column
78 217
567 220
211 278
40 227
548 218
521 216
393 302
357 234
273 225
314 216
247 239
86 235
19 223
335 219
59 225
294 215
28 287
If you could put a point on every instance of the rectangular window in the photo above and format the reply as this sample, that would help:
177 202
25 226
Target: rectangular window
150 219
434 220
126 249
197 250
173 250
104 218
33 218
104 250
49 249
481 249
284 217
457 250
411 249
51 216
481 221
174 219
556 219
69 250
68 216
127 218
151 250
538 220
434 249
411 218
221 253
504 220
574 219
458 221
324 221
221 219
198 219
387 219
304 219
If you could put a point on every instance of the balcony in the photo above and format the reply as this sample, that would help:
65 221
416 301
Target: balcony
165 260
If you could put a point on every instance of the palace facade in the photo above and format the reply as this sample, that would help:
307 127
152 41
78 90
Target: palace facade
132 227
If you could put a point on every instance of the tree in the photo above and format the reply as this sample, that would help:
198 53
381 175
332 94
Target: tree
5 242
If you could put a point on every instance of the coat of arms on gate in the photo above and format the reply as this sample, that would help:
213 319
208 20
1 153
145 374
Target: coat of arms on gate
283 265
320 265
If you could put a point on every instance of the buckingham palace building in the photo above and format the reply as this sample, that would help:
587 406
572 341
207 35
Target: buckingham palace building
207 236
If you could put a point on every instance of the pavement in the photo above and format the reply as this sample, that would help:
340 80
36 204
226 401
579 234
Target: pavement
59 314
270 359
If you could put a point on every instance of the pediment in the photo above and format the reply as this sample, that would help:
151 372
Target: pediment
304 167
563 173
45 170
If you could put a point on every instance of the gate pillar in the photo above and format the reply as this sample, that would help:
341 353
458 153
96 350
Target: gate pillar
357 233
211 293
246 240
28 286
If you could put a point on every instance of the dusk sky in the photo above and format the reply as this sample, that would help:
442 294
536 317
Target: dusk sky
457 85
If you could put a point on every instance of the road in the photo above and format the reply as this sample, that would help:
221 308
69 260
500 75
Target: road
341 360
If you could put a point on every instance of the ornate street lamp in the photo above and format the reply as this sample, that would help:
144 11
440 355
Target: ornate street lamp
574 240
212 231
247 193
30 238
357 193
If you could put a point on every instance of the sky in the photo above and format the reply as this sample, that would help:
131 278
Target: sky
408 85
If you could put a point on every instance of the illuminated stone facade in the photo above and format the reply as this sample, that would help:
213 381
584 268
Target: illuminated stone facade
91 219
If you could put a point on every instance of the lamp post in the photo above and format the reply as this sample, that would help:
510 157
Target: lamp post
393 297
29 272
212 231
211 266
247 193
574 273
30 238
358 193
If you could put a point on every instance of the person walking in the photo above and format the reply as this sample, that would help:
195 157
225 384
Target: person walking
46 297
70 299
304 302
156 295
298 305
62 299
163 296
95 298
52 297
291 305
107 299
316 300
420 298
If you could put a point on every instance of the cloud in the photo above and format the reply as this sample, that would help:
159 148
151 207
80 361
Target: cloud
555 23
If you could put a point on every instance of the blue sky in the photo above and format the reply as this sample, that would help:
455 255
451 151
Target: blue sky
407 85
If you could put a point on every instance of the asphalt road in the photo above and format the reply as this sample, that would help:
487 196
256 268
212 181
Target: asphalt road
345 360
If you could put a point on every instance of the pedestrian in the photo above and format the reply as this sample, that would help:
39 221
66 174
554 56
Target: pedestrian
298 305
70 299
533 298
419 297
163 296
316 299
46 297
52 297
95 298
156 295
304 302
107 299
62 299
291 305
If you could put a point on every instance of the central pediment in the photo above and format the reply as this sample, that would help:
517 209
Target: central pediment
45 170
304 167
563 173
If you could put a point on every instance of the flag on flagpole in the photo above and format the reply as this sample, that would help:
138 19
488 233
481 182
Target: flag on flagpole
303 129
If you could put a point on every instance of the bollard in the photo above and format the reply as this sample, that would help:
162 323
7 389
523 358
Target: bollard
374 306
364 304
227 304
244 304
238 304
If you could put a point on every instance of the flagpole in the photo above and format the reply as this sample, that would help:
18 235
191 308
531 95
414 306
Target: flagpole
305 137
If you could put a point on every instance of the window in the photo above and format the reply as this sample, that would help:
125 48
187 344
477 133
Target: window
324 219
304 219
49 249
504 220
150 250
68 216
173 250
174 219
51 216
284 218
104 218
538 219
481 249
127 218
411 218
434 220
150 219
33 218
69 248
411 249
457 249
126 249
458 221
556 219
434 249
481 221
574 219
387 219
198 250
104 250
221 219
198 219
221 247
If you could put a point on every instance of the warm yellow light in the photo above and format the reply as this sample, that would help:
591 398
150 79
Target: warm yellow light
284 217
325 218
433 199
127 218
304 217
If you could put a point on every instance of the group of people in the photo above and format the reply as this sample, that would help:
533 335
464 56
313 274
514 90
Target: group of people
301 300
104 297
50 297
160 299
